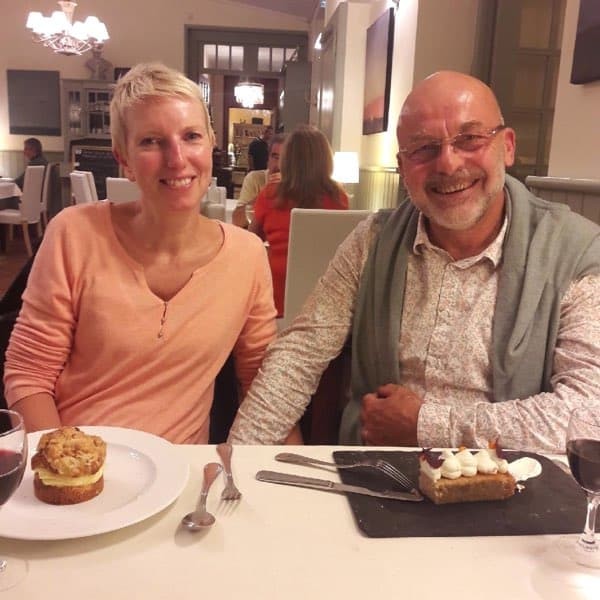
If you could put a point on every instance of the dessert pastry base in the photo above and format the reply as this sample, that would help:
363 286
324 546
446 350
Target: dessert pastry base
66 495
479 487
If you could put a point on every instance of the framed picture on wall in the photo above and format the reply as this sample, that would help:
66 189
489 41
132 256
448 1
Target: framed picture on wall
378 73
586 55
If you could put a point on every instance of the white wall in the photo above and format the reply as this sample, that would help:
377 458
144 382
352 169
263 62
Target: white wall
575 149
429 35
140 30
445 36
379 149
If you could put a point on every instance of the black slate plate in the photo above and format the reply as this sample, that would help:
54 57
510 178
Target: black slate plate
551 503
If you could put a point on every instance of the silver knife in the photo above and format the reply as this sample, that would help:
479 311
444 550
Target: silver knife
330 486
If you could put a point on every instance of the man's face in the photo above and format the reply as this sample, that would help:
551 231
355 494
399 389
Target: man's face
274 154
28 151
267 134
455 189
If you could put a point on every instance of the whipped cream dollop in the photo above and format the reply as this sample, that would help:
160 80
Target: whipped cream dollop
468 464
464 463
450 468
485 464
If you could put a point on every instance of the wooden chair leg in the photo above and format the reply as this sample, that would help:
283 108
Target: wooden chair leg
11 233
39 229
26 238
45 219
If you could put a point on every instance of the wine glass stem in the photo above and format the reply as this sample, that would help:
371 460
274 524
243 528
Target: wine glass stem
588 536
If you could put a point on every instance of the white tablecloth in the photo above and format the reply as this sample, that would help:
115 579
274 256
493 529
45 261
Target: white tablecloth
289 543
8 189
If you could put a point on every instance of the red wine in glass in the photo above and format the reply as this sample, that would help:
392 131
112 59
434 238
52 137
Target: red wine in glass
584 461
12 467
583 452
13 458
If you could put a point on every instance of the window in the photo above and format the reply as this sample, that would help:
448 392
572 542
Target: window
272 59
224 57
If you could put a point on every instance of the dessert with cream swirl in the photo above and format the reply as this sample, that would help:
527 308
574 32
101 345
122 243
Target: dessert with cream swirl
449 477
68 466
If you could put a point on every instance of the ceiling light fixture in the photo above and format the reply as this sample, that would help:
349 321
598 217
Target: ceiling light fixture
60 34
248 93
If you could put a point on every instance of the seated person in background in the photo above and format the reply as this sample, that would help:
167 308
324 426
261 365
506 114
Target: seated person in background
32 149
306 168
123 321
255 181
473 307
258 150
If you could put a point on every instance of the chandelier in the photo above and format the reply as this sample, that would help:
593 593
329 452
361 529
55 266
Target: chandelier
248 93
59 33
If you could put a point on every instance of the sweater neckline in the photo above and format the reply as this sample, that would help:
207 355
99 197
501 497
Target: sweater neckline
138 268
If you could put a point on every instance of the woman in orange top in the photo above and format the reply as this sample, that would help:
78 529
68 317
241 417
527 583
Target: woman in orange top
306 165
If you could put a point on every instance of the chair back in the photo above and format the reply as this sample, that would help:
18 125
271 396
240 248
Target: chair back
46 190
315 235
32 193
581 195
80 188
91 184
120 189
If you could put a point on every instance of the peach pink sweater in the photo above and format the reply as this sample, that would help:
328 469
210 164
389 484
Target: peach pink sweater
88 332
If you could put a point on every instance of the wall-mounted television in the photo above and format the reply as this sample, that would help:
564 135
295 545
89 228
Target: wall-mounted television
586 57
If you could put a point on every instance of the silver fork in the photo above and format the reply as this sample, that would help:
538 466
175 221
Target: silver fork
230 492
378 463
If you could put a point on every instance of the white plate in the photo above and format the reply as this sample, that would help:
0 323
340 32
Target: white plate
142 475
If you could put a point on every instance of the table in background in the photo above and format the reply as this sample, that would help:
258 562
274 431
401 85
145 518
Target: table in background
292 543
8 189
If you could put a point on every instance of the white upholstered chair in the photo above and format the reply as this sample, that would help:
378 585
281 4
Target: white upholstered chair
46 192
315 235
120 189
80 187
28 212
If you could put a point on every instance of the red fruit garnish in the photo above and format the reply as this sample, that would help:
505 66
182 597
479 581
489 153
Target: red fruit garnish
434 460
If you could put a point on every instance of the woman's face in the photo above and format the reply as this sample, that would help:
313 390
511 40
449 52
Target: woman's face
168 152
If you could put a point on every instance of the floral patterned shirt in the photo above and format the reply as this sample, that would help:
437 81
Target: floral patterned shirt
443 351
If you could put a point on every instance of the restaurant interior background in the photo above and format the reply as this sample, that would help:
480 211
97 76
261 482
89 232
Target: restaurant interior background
524 48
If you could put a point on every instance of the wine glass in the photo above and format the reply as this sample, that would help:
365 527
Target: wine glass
13 459
583 452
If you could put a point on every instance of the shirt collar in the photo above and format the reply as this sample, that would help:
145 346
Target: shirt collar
493 252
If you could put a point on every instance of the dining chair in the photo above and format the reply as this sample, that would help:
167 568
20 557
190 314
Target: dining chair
315 235
28 212
91 184
46 191
80 188
120 189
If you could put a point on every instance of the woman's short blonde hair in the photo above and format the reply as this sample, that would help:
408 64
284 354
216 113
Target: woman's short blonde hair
145 81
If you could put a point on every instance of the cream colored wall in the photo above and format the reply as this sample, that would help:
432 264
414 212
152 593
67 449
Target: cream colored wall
380 149
575 149
445 36
140 30
429 35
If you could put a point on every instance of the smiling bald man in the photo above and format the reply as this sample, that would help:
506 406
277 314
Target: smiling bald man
472 307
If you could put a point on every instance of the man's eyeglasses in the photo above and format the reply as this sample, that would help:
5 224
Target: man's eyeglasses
422 152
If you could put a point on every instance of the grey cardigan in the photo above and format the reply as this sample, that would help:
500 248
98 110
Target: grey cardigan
546 248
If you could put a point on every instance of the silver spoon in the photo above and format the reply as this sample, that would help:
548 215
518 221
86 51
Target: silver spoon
201 518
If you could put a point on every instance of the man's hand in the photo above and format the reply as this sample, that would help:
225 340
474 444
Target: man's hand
389 417
274 177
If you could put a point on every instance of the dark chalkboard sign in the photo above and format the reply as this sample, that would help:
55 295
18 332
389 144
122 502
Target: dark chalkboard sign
33 102
97 159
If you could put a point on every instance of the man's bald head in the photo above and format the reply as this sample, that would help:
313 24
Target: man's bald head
443 91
